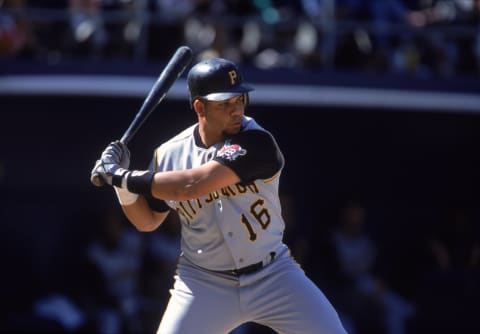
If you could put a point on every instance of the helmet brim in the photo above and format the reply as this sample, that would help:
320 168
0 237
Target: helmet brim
221 96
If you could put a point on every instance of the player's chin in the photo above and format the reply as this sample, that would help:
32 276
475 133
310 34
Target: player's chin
234 128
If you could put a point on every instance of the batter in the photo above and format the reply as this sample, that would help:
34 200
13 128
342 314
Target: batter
221 175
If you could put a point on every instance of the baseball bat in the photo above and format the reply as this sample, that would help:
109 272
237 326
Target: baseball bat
172 71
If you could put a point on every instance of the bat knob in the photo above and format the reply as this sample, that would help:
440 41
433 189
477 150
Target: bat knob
97 180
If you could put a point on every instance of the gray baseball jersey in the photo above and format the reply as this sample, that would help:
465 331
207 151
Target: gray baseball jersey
237 225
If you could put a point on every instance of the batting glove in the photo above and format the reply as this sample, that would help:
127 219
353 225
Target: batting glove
113 162
118 152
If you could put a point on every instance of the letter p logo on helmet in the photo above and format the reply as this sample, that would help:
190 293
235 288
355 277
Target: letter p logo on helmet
233 76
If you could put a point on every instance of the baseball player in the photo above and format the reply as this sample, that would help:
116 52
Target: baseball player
222 177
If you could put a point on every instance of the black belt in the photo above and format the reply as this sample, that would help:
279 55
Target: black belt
248 269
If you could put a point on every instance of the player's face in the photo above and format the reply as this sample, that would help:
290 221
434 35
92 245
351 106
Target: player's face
225 116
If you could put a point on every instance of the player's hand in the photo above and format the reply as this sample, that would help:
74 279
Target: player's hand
117 152
114 161
125 160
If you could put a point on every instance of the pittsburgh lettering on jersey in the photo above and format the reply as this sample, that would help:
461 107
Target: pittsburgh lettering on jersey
188 209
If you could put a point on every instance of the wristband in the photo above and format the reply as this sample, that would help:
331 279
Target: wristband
125 197
140 182
118 176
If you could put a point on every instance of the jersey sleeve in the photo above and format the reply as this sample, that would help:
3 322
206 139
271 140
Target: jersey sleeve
252 155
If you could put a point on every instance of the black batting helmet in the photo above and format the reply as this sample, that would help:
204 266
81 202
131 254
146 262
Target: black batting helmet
215 79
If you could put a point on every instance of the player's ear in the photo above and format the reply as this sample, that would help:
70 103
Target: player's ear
199 107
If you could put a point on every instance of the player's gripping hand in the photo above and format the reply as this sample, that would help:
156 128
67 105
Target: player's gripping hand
121 150
113 163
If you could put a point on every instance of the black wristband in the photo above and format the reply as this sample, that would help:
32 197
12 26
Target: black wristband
140 182
117 177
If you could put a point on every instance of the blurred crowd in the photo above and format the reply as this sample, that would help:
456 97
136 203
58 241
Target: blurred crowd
423 280
423 37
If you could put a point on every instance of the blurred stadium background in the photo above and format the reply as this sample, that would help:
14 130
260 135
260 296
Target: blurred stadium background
372 102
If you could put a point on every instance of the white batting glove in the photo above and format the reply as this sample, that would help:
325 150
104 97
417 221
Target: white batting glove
113 162
118 153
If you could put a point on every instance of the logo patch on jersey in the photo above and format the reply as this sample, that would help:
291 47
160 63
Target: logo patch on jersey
231 152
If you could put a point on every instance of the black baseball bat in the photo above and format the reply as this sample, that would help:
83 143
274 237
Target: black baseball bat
175 67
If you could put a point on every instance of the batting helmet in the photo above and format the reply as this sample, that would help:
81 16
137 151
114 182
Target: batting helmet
216 79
